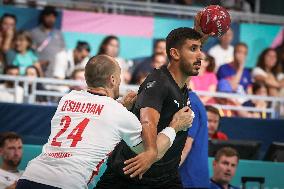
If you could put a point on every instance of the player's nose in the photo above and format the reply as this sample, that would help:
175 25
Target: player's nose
201 55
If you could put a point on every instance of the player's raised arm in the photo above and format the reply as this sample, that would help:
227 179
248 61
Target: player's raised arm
212 21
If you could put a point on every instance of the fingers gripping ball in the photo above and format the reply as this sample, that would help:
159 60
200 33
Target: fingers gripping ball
215 18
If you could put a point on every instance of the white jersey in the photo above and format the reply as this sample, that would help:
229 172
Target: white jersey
84 131
8 178
222 56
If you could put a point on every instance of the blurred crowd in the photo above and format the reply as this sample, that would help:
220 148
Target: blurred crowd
41 52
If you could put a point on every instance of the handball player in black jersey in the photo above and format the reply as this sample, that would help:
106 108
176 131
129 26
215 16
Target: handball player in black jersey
160 96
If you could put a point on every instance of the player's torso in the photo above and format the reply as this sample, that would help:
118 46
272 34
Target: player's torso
82 136
159 171
176 99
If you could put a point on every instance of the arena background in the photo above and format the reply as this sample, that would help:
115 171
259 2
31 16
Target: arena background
93 27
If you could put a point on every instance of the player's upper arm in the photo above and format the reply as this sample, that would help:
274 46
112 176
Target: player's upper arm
130 129
149 116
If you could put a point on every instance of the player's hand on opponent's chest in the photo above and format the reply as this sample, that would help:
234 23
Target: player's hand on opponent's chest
128 99
182 120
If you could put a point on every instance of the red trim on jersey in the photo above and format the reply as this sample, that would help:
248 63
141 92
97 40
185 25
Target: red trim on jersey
96 172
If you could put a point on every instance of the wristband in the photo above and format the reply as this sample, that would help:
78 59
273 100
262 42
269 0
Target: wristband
169 132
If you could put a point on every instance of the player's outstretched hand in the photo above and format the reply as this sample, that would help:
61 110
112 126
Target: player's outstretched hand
138 165
198 28
129 99
182 119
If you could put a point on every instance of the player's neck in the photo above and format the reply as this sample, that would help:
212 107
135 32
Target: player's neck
6 167
224 185
100 91
179 77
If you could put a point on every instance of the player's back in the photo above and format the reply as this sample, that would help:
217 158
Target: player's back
84 130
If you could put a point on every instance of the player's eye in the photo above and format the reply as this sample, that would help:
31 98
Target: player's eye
193 49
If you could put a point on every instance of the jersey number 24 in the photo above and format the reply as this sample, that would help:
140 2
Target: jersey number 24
75 134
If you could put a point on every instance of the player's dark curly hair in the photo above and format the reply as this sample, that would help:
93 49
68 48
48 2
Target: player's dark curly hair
178 36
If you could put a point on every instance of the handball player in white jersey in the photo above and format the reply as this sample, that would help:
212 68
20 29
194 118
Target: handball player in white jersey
86 127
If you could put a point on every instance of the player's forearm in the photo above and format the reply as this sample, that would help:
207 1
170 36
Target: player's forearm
149 136
163 144
186 150
166 138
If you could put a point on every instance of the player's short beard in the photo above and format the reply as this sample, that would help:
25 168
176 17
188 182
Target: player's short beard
187 69
12 163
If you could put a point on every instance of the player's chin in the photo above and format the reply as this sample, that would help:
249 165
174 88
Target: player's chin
194 72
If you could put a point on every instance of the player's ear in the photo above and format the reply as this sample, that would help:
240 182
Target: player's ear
112 80
174 54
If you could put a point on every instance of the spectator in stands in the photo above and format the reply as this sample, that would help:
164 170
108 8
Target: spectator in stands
33 72
206 79
268 71
227 112
224 51
281 60
6 95
225 87
238 5
234 75
22 55
142 70
258 88
11 150
7 31
213 117
67 62
159 47
79 75
47 40
224 168
110 46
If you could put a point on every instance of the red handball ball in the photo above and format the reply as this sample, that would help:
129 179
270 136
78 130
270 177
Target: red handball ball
215 18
